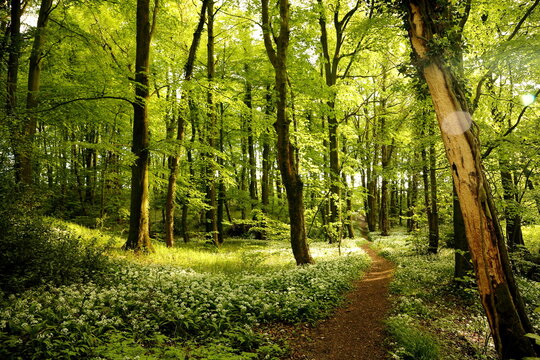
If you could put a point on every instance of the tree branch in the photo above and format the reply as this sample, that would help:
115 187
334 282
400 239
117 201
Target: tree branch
55 106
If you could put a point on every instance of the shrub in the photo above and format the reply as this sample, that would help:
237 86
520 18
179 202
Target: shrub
34 252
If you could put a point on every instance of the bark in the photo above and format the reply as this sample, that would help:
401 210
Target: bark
139 222
434 223
531 186
210 188
265 180
349 209
286 160
462 260
14 53
412 196
498 291
430 192
386 155
34 74
331 64
250 145
514 235
221 184
170 204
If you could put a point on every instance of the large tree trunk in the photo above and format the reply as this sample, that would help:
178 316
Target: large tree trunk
139 222
286 160
174 160
498 291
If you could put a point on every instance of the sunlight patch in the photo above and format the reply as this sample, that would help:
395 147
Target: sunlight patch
456 123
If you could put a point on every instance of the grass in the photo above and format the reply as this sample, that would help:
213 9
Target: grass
235 256
531 236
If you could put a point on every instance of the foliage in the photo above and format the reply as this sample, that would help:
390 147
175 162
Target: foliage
34 252
142 306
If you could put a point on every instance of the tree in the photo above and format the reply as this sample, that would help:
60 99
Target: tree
211 124
286 157
175 159
427 22
34 73
14 50
139 222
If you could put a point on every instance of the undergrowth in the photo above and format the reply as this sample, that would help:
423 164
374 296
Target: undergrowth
155 306
435 316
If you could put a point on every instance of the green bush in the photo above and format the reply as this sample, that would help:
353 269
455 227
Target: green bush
34 252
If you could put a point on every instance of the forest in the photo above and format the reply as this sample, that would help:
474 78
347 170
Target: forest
212 179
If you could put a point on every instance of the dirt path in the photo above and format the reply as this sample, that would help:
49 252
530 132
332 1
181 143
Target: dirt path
355 332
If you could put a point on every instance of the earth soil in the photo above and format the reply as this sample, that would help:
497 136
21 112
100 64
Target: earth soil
356 330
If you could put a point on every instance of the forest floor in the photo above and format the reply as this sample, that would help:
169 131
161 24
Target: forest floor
356 330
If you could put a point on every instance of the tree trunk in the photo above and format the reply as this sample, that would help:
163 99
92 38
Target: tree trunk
211 214
514 235
349 219
286 160
536 194
221 183
412 195
433 245
139 221
266 168
498 291
250 144
14 51
174 160
430 189
386 155
462 261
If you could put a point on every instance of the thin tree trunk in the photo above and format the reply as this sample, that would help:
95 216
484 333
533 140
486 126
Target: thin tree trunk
139 221
433 245
412 196
174 160
265 180
462 261
221 184
211 213
514 235
499 294
250 143
14 51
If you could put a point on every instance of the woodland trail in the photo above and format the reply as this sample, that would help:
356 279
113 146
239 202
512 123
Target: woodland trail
356 330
